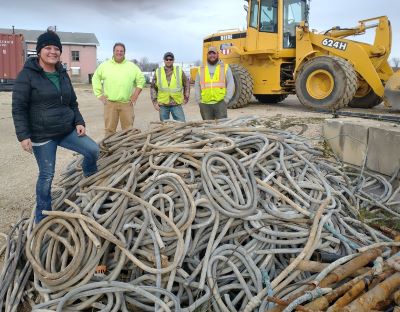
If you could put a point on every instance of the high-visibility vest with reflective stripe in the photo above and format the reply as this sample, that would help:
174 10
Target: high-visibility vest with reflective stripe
213 89
173 89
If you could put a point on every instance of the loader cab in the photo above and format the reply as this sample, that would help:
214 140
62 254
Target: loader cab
294 12
272 23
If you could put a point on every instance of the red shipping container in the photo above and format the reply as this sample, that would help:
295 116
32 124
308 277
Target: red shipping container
12 56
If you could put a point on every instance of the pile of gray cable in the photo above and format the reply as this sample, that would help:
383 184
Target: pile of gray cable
200 216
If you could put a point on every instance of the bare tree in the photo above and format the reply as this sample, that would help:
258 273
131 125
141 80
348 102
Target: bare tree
144 63
197 63
146 66
395 61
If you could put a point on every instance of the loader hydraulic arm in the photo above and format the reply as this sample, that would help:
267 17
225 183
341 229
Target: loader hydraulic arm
383 34
338 32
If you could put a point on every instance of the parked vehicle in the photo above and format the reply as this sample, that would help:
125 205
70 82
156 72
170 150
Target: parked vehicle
279 55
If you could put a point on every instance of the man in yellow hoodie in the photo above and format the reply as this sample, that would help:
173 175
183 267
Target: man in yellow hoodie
118 83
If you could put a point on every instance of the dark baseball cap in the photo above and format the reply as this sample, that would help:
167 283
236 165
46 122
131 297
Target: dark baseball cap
169 54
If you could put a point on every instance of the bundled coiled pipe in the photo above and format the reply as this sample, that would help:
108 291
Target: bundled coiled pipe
201 215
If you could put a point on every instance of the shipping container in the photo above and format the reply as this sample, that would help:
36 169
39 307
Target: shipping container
12 58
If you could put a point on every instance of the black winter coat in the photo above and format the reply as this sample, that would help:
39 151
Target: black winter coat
40 111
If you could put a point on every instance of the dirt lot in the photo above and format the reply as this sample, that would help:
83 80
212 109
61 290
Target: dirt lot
19 171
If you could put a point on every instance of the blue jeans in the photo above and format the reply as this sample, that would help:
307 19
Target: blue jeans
175 110
46 159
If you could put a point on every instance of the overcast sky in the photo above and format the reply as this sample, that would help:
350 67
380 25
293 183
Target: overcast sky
151 27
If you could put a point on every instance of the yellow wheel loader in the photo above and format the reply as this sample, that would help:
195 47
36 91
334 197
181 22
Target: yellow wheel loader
279 55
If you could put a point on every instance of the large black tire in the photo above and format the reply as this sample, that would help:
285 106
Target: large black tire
270 98
341 85
243 86
370 100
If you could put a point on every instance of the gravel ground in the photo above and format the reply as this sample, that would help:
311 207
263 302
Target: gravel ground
19 170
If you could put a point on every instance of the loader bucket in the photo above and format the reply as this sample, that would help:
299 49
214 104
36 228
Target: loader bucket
392 91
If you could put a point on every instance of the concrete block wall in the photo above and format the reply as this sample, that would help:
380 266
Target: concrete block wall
352 139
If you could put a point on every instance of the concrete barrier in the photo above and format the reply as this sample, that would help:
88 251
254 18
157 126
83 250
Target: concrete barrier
353 139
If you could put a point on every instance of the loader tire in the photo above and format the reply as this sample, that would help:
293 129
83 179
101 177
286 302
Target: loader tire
370 100
326 82
243 86
270 98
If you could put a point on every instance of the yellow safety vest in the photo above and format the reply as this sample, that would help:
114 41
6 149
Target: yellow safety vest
171 90
213 90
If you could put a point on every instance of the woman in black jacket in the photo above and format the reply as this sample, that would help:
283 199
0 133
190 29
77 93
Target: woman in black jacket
46 115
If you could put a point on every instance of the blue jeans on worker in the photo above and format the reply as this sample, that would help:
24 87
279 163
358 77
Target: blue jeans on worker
46 159
175 110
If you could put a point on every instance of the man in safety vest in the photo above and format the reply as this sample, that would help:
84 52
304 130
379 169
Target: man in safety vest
170 89
214 87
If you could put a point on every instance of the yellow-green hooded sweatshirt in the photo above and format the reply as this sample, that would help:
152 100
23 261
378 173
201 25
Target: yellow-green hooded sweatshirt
117 81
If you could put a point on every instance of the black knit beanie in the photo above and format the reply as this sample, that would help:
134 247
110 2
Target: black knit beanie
46 39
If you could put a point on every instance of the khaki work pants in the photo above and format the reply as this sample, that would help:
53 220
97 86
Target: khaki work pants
117 111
